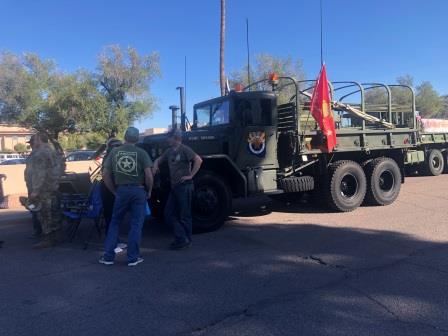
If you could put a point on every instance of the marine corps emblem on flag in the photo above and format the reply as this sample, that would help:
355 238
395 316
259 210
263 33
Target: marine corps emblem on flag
256 142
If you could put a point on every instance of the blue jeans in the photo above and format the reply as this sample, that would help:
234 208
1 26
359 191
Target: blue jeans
178 211
128 198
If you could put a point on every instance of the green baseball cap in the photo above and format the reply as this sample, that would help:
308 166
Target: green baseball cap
132 134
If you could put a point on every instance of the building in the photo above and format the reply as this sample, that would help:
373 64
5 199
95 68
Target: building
154 130
10 136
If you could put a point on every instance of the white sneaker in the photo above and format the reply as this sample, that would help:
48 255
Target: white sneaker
135 263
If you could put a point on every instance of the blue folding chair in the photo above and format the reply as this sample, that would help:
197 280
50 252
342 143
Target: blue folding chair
77 207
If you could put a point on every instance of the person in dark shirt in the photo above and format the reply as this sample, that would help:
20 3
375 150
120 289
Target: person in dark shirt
178 208
126 172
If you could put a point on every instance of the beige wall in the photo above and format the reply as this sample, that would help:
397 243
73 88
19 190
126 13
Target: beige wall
15 183
7 142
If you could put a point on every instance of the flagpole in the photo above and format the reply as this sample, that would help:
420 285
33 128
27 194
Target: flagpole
321 37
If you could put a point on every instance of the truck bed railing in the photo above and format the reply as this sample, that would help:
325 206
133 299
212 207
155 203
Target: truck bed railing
377 105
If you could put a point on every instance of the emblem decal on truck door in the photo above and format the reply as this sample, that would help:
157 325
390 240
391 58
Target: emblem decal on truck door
257 143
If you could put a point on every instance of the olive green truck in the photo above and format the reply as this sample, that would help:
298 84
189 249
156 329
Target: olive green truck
263 140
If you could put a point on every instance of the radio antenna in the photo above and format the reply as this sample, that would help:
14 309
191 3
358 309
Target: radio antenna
248 53
185 79
321 36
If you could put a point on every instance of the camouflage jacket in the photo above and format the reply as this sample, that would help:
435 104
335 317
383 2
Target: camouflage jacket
43 170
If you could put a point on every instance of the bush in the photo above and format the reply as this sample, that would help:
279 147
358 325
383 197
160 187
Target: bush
20 148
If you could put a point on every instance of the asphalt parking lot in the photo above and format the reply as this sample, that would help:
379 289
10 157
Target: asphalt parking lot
274 269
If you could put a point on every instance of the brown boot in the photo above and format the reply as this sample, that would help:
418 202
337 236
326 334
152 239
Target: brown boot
46 242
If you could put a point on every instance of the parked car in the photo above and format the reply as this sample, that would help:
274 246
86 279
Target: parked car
13 161
81 155
9 156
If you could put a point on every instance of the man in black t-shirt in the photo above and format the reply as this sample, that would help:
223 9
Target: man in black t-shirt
178 208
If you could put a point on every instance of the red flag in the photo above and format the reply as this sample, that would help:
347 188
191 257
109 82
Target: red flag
321 109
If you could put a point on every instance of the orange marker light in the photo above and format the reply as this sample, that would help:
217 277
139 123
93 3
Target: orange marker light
273 77
238 87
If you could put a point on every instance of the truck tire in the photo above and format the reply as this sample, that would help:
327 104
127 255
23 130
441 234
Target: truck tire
383 181
445 167
347 186
157 204
296 184
212 202
434 164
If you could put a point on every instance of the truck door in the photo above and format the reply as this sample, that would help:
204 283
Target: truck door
257 152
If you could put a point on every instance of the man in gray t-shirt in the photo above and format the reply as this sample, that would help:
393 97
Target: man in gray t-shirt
183 164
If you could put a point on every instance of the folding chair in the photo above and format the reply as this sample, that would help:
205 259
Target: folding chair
77 207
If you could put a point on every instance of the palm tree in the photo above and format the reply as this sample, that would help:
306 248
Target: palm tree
222 79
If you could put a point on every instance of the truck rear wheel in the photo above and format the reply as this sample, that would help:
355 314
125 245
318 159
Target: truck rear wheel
434 164
347 186
212 202
383 181
445 167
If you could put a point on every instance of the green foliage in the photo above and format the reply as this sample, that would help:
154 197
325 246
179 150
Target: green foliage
444 111
428 101
20 148
75 141
124 77
266 64
34 93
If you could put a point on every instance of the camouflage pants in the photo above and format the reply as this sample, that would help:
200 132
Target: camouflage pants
50 214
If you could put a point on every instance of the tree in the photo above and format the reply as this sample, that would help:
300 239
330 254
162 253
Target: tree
124 77
20 148
24 83
35 93
444 111
222 79
399 95
427 100
266 64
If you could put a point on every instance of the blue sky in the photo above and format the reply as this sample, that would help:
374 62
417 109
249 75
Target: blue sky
363 40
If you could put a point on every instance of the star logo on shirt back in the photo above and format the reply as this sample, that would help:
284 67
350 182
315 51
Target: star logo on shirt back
127 163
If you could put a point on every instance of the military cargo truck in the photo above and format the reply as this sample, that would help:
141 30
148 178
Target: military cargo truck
430 157
263 140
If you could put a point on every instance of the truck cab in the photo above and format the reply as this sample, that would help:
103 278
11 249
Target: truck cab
235 135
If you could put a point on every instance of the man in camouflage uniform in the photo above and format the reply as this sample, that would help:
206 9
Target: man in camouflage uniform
42 174
37 228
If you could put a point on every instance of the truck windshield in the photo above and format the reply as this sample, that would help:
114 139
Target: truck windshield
212 115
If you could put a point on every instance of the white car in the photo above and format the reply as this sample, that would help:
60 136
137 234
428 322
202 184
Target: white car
9 156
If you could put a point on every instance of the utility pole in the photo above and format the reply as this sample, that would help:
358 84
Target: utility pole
222 79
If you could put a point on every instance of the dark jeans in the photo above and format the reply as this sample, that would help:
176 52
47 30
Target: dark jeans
178 211
108 200
128 198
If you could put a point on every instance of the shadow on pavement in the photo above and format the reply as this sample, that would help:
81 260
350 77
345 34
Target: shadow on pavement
269 279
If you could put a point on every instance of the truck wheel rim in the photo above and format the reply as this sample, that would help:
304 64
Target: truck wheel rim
386 181
436 162
206 202
349 186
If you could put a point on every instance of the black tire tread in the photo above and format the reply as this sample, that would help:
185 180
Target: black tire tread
329 192
370 197
297 184
227 206
426 166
